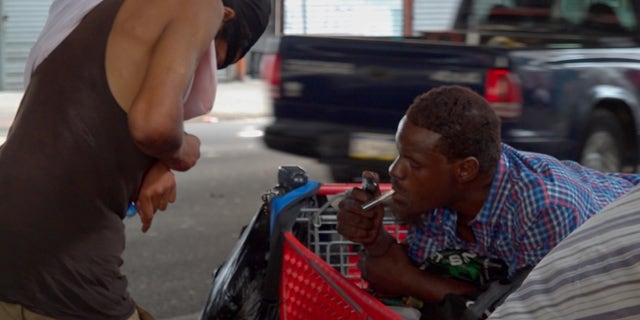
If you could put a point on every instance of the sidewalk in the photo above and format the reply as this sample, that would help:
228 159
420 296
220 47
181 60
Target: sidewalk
234 100
241 99
9 101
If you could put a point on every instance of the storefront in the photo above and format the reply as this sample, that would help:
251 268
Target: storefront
366 17
22 21
20 25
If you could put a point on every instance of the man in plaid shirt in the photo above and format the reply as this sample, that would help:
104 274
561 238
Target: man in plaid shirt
534 202
466 193
594 273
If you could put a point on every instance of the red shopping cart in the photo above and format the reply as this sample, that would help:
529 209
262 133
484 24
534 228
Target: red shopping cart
320 279
290 262
312 289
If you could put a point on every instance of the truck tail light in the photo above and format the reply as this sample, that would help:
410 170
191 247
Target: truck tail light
503 92
270 71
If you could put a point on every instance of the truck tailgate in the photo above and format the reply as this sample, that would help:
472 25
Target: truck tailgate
367 79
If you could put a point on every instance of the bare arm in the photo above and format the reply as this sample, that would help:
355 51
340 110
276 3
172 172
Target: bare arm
394 273
158 189
385 264
156 114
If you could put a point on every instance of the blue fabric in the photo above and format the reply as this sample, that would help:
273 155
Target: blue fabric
280 202
534 202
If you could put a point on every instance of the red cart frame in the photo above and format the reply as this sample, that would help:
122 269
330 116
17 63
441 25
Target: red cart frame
290 262
320 280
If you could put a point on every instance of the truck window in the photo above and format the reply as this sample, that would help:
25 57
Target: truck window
603 18
613 16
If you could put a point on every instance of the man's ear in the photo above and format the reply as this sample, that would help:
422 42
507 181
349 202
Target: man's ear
467 169
229 14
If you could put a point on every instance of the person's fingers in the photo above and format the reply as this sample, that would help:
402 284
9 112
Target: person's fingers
362 264
359 221
162 204
370 237
166 198
146 211
361 195
354 207
356 233
172 195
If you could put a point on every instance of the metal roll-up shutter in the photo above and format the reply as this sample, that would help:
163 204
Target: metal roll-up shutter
23 21
348 17
433 15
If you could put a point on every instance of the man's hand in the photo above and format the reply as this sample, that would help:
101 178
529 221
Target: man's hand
385 273
157 191
395 274
356 224
188 154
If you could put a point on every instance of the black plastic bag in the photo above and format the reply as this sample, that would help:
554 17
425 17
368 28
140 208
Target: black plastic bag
236 291
246 286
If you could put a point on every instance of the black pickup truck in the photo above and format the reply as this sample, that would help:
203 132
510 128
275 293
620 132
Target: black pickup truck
563 75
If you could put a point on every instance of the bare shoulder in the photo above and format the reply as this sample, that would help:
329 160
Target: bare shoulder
150 38
203 18
149 18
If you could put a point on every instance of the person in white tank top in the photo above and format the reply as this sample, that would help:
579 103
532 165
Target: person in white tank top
65 15
161 70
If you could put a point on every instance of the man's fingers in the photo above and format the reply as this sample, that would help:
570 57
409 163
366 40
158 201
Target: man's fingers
351 218
162 204
356 234
362 264
172 196
146 211
146 225
169 197
354 207
146 219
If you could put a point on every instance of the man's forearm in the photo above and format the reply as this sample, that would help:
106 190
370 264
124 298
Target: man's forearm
431 288
186 155
381 245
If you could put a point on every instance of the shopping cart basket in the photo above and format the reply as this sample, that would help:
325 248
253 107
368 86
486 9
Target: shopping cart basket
321 237
290 262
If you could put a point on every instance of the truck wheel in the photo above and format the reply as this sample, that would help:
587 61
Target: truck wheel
604 143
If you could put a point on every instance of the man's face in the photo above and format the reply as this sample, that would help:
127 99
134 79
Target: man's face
222 44
222 47
422 177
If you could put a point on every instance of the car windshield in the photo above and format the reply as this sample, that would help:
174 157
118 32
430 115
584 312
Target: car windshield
582 19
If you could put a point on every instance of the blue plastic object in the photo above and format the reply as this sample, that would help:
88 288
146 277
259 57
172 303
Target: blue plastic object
280 202
131 211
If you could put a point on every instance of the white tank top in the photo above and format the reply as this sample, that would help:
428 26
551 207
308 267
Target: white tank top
65 15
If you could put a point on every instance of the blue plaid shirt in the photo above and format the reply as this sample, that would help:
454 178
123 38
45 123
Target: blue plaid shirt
535 201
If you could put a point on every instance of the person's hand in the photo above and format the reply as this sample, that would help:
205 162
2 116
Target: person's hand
384 273
158 189
356 224
188 155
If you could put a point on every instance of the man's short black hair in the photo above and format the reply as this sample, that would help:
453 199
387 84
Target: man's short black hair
467 124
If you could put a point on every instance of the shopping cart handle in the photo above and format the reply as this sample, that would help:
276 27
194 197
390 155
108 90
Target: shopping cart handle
335 188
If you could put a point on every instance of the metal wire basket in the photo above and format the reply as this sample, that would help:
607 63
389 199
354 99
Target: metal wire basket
318 230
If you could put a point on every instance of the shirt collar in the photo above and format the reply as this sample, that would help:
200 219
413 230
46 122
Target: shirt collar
497 193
